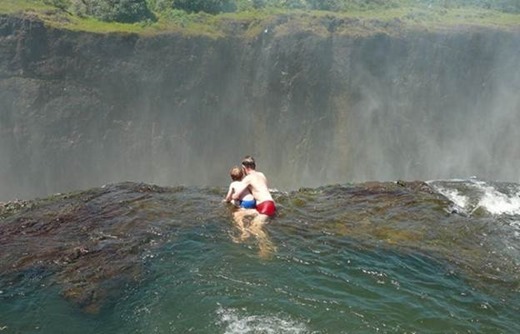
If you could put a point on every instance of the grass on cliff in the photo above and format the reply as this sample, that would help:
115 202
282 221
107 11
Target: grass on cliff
19 6
252 23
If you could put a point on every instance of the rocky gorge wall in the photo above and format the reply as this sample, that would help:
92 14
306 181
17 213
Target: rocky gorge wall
79 109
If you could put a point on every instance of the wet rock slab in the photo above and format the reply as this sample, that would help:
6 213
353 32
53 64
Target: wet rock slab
91 244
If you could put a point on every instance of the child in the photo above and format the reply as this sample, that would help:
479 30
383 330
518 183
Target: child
246 201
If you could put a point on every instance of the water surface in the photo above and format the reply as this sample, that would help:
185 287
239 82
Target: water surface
394 257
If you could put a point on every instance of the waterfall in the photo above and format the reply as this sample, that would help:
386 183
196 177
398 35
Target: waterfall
84 110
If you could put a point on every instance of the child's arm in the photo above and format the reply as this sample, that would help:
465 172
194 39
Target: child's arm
241 187
229 193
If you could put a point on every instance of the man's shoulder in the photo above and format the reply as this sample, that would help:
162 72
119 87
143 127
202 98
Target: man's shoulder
260 175
247 179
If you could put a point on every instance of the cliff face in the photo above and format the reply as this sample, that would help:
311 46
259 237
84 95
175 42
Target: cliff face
79 110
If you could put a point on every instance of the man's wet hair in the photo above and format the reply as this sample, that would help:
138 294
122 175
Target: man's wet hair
249 162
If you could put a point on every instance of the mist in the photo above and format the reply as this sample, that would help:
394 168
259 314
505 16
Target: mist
312 110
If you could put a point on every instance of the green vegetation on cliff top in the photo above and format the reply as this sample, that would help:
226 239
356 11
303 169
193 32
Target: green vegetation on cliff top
380 16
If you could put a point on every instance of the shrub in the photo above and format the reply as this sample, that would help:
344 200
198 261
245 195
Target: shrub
294 4
159 5
61 4
208 6
258 3
245 5
125 11
332 5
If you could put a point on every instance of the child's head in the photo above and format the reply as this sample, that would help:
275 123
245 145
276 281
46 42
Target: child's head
236 173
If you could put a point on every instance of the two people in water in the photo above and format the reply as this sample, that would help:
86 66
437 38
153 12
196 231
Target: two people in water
250 192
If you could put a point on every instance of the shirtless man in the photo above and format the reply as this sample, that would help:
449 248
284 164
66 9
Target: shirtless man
256 182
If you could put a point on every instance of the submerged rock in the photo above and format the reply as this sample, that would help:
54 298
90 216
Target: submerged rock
91 243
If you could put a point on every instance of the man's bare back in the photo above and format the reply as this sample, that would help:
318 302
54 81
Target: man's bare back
257 183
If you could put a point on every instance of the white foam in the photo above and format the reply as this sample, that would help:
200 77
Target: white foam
454 195
238 323
498 203
483 196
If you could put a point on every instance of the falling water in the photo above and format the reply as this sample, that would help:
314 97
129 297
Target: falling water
313 110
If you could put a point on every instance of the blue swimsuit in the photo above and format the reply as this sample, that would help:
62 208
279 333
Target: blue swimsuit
251 204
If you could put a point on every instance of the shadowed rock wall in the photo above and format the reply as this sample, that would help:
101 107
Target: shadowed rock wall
78 110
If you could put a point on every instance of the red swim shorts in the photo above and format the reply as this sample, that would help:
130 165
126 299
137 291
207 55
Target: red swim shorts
266 208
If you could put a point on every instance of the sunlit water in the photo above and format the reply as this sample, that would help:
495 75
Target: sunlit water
365 258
